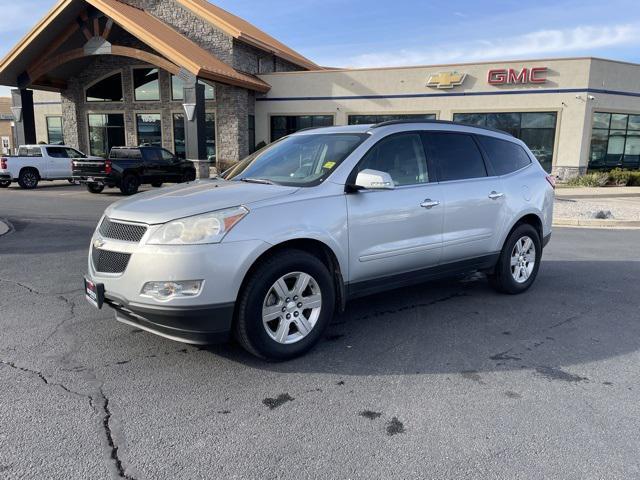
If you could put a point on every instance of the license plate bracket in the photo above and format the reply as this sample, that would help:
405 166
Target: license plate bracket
94 293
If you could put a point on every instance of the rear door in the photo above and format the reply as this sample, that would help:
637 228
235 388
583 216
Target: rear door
473 196
399 230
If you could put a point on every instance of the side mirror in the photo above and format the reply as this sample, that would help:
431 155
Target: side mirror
374 180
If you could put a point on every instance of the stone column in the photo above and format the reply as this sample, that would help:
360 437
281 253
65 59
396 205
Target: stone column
24 118
194 127
232 125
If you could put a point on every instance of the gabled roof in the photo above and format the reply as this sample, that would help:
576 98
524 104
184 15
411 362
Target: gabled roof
245 31
169 43
174 46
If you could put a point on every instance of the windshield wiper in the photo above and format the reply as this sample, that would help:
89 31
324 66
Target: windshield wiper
263 181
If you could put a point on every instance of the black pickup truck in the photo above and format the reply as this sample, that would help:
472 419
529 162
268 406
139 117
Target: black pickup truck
129 167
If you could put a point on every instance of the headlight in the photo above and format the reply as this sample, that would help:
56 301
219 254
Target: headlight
206 228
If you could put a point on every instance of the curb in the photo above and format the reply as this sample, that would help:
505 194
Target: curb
595 223
5 227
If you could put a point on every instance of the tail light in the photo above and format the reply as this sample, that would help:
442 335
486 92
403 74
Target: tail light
552 181
3 163
107 167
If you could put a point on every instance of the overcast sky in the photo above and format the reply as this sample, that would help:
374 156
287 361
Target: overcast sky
359 33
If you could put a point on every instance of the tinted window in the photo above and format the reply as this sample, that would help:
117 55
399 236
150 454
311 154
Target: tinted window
152 155
106 90
367 119
166 155
401 156
57 152
282 126
146 84
456 155
506 157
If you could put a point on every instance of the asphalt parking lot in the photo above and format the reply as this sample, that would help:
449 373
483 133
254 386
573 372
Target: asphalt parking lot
446 380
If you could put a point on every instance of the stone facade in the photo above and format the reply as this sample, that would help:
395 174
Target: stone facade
232 105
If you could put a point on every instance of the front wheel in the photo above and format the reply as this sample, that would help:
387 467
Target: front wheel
188 176
130 185
28 178
285 306
5 183
95 187
519 261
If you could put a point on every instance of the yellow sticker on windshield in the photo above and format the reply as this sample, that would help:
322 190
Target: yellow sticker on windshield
329 165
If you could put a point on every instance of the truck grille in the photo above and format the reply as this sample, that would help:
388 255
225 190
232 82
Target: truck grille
125 232
105 261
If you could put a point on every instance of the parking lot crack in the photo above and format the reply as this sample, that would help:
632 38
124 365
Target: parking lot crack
111 440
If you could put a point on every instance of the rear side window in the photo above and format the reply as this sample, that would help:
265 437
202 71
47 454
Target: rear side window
506 157
29 152
456 155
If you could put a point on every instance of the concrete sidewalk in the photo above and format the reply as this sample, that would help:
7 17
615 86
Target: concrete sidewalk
579 206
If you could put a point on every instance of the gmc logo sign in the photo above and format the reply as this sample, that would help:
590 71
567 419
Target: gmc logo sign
503 76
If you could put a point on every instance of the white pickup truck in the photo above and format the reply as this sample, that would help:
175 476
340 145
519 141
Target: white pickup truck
38 162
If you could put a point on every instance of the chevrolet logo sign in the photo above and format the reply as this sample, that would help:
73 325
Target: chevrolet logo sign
446 79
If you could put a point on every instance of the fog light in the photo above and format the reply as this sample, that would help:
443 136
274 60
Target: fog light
171 289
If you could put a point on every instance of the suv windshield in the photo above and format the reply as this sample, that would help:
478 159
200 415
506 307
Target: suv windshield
298 160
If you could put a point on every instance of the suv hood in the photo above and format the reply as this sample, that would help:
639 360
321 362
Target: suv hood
166 204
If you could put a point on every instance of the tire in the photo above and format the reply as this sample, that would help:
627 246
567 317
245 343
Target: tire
28 178
130 184
71 181
260 292
156 184
188 176
95 188
5 184
526 257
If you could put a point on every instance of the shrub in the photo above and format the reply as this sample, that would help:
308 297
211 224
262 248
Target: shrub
620 177
634 179
595 179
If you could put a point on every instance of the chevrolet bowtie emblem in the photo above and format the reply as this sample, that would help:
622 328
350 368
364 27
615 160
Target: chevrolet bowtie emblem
446 79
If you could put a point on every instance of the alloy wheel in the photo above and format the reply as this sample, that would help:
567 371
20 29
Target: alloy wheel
292 307
523 259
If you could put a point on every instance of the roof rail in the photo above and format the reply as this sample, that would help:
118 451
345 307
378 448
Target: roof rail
437 122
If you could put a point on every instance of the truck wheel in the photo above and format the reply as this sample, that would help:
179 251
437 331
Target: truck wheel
188 176
130 184
285 306
28 178
5 184
156 184
519 261
95 187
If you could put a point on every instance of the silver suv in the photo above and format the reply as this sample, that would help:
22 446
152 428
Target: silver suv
271 249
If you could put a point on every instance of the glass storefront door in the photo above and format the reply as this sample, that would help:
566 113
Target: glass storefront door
105 131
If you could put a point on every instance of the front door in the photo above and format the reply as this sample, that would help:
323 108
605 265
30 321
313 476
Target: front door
399 230
475 203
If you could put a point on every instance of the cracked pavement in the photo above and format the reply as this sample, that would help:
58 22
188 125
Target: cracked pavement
442 380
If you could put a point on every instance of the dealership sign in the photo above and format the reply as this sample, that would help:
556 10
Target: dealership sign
511 76
446 80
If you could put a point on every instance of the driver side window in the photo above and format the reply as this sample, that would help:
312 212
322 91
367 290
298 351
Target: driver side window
401 156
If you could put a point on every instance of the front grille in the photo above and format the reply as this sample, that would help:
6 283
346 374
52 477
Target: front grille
106 261
125 232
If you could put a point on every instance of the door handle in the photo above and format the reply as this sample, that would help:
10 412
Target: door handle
495 195
428 203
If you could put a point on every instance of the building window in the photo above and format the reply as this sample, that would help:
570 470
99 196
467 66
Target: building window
252 133
282 126
374 119
615 141
177 86
179 135
106 90
54 131
105 131
149 129
536 129
146 84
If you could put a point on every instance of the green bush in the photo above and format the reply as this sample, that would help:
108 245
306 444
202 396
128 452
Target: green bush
595 179
634 179
620 177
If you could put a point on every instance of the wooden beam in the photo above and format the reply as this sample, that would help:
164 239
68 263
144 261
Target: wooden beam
96 27
54 45
107 29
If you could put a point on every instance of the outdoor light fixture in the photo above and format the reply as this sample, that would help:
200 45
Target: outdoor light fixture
17 114
189 111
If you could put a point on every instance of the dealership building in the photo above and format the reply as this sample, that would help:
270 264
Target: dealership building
201 82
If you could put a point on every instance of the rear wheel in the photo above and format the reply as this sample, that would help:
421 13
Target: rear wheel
28 178
95 187
130 184
519 261
5 183
285 306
